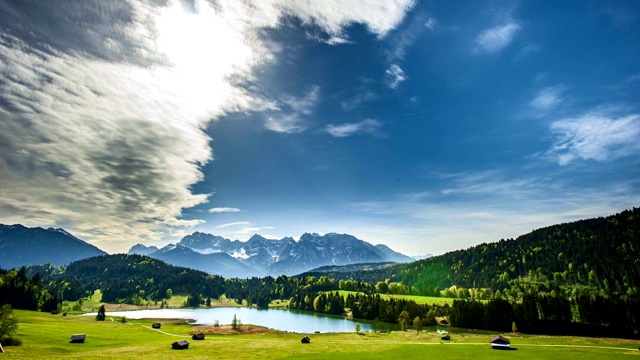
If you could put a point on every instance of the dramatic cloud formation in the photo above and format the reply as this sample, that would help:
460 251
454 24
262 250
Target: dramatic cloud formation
103 129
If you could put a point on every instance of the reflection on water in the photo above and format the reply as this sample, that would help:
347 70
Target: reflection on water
293 321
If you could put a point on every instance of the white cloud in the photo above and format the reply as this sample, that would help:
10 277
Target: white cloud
596 137
496 38
547 98
395 75
368 126
223 210
291 118
333 16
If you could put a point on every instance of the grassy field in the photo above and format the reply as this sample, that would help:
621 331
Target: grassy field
47 336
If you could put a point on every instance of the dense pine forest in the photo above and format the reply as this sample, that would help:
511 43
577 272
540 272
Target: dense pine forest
576 278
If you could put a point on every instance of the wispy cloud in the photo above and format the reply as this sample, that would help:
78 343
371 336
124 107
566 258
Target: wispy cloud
368 126
595 136
290 119
431 23
467 208
394 76
233 224
223 210
496 38
360 98
530 49
547 98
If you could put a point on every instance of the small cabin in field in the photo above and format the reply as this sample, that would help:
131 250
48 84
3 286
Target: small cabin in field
198 336
499 342
305 340
180 345
156 326
78 338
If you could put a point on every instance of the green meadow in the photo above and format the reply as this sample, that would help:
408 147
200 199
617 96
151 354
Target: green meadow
46 336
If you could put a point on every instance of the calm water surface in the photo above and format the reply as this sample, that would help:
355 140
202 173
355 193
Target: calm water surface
293 321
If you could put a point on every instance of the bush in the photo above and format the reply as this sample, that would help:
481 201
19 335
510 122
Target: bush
10 341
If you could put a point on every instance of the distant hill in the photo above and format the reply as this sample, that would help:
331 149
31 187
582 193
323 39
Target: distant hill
346 272
260 256
598 254
121 278
23 246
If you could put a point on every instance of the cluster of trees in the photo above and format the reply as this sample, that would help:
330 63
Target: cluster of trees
374 307
23 292
322 302
546 314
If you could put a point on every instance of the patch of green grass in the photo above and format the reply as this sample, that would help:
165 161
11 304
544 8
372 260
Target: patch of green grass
47 336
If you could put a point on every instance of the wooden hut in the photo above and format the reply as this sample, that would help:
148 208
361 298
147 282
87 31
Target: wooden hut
305 340
198 336
156 326
180 345
78 338
499 342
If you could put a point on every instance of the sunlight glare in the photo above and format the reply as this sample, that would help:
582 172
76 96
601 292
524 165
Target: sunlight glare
203 50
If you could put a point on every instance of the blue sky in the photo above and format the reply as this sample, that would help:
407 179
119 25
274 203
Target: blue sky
427 126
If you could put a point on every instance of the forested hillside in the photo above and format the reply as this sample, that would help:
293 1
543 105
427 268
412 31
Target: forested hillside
600 255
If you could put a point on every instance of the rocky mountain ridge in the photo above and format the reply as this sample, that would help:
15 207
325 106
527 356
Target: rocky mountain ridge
260 256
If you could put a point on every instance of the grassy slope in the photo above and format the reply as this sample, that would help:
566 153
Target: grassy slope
47 336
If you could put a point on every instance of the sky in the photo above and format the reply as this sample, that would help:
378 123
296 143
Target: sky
428 126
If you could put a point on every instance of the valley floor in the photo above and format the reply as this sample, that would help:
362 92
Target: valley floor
46 336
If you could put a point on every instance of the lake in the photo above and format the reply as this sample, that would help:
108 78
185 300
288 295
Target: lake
286 320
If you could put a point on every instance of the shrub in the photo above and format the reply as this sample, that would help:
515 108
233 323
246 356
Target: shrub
11 341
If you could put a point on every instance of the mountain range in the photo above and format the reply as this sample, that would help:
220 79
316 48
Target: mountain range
23 246
259 256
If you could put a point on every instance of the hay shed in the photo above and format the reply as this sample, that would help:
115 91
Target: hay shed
305 340
180 345
499 342
78 338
